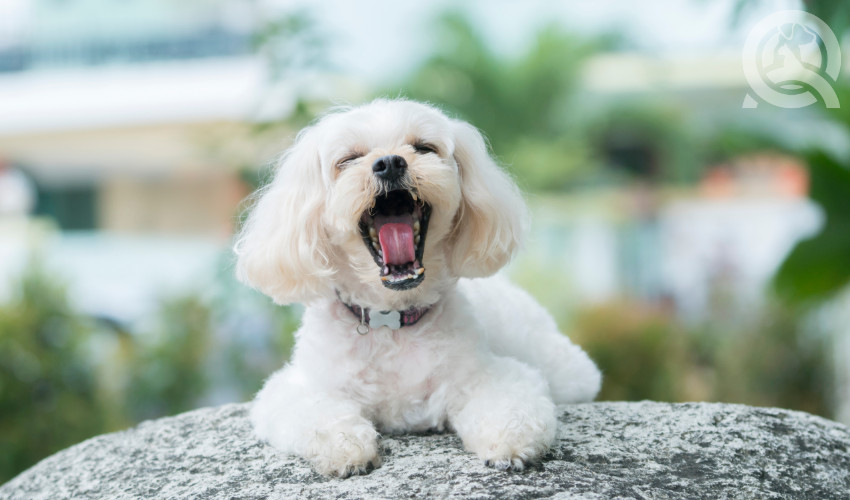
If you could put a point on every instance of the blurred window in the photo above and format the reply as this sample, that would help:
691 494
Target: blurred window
210 42
72 207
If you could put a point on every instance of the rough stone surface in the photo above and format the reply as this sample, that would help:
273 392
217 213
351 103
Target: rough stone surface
604 450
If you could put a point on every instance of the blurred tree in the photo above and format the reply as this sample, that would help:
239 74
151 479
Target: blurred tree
641 349
291 46
773 360
289 41
835 13
542 125
526 105
647 140
645 353
168 373
254 336
819 267
49 395
65 377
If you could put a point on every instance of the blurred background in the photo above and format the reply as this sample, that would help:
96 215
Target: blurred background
698 250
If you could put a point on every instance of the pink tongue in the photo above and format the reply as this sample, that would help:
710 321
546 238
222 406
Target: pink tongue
397 243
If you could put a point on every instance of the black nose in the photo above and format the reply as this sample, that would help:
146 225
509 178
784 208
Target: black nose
390 167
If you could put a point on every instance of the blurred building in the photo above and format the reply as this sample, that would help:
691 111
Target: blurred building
118 112
128 122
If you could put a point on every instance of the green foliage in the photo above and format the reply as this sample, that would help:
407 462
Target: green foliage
290 42
835 13
644 140
772 361
735 140
246 352
49 396
525 105
65 377
167 373
819 267
646 353
642 351
542 125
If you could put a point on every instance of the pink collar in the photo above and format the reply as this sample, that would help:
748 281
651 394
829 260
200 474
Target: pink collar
393 319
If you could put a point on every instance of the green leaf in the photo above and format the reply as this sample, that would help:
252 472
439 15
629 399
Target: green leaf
819 267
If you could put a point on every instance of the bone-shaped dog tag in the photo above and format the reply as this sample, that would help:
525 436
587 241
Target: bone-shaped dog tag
391 319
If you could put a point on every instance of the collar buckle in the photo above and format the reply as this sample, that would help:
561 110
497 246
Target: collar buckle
362 328
394 320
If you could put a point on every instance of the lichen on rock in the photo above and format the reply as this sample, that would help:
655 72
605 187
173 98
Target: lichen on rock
604 450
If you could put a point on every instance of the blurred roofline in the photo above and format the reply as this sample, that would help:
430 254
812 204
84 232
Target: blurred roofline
238 89
164 92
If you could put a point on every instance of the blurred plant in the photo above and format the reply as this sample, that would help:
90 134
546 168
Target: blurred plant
646 353
525 105
644 140
548 131
642 351
167 372
49 394
291 45
65 377
289 41
836 13
773 361
254 336
819 267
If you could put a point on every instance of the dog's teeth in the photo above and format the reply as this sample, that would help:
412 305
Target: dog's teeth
416 227
415 198
416 240
420 271
375 245
373 233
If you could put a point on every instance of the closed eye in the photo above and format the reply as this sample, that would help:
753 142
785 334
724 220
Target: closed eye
424 148
348 159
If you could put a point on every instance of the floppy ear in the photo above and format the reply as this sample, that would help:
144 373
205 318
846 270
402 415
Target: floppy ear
283 249
492 219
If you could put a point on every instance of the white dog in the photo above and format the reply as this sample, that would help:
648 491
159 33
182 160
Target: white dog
374 219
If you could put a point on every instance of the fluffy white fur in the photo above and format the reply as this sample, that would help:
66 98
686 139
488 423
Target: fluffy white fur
486 361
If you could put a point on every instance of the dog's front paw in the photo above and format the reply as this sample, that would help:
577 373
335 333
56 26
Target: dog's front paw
515 463
346 447
514 452
511 443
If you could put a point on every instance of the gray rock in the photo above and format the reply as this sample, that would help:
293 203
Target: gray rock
604 450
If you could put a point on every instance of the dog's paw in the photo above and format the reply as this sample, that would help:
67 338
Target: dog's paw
514 464
356 470
345 449
510 455
512 443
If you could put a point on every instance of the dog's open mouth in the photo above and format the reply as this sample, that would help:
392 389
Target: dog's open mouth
394 231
